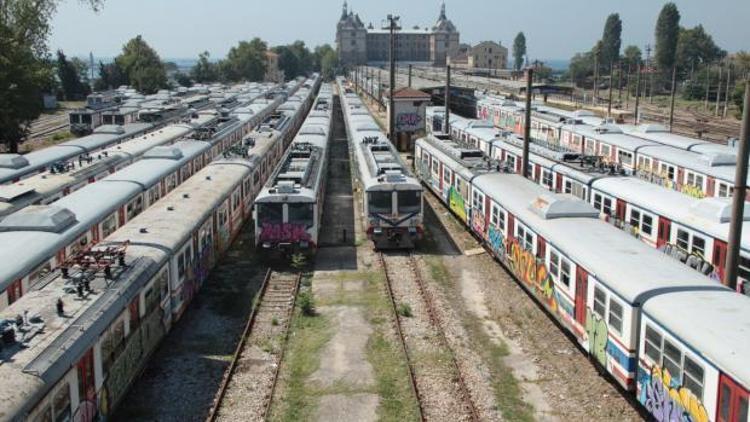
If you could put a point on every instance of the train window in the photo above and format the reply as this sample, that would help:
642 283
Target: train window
726 402
683 239
525 238
446 175
61 403
607 206
725 190
635 218
598 201
436 167
495 215
743 409
270 213
477 200
647 224
693 379
652 346
667 171
109 225
744 271
615 315
699 245
625 157
547 178
671 359
153 195
604 150
600 302
301 213
409 201
554 263
565 272
180 265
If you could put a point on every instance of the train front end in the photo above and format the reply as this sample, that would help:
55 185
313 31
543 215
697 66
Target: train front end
394 212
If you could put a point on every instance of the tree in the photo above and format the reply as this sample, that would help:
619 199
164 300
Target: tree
69 74
246 61
667 36
519 50
611 40
288 61
25 70
695 46
142 66
183 79
581 68
111 76
204 70
325 61
631 56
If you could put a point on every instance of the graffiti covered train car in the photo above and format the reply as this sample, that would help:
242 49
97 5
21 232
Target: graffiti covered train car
608 290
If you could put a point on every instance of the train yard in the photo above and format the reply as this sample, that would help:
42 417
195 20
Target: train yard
298 267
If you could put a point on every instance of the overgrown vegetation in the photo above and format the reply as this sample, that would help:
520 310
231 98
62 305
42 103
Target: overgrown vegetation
404 309
307 303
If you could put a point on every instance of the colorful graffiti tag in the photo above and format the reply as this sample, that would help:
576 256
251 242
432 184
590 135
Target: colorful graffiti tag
662 178
496 240
667 400
598 336
409 121
477 222
693 260
456 203
532 271
284 232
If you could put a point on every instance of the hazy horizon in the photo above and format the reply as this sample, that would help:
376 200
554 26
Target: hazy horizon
185 31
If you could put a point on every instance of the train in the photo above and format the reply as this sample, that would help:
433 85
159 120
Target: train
670 336
693 230
97 212
693 167
392 207
73 346
287 212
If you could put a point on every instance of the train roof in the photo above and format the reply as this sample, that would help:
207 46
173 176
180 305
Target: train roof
35 233
707 215
159 162
609 134
718 165
715 324
627 266
466 161
14 166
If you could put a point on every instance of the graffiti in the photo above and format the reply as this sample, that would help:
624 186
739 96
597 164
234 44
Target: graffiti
495 238
457 204
477 222
409 121
532 271
693 260
667 400
598 336
662 178
284 232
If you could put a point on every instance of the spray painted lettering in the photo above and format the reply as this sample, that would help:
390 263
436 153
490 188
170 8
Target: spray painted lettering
662 178
668 400
532 271
457 204
477 222
284 232
596 330
495 239
409 121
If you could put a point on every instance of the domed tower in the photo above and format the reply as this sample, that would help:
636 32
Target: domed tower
351 38
445 39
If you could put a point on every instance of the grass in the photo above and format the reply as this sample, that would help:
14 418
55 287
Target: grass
404 310
62 136
308 336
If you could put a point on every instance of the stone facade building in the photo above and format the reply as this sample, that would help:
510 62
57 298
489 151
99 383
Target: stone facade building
360 44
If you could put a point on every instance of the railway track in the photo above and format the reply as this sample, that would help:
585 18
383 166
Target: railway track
250 380
441 390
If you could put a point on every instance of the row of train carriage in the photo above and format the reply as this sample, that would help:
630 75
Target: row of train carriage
692 166
392 207
17 167
675 338
57 231
692 230
75 357
288 211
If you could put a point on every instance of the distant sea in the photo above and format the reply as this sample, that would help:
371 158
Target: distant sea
183 64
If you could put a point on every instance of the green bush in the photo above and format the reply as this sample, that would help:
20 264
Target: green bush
404 310
307 303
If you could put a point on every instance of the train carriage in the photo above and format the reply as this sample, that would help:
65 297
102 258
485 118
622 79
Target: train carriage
392 197
289 208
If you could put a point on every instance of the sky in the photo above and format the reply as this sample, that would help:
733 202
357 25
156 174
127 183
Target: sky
555 29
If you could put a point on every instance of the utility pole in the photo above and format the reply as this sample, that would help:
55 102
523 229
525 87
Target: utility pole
718 91
409 75
627 89
637 91
380 88
708 85
609 99
595 97
738 203
527 123
650 77
619 83
391 108
372 82
671 101
726 95
447 98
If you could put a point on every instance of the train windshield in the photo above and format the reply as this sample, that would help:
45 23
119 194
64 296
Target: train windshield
409 201
379 202
301 213
270 213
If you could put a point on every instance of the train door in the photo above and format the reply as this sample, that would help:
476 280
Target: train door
710 187
121 217
541 248
511 226
558 183
86 388
620 209
719 256
733 401
537 172
663 235
582 283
